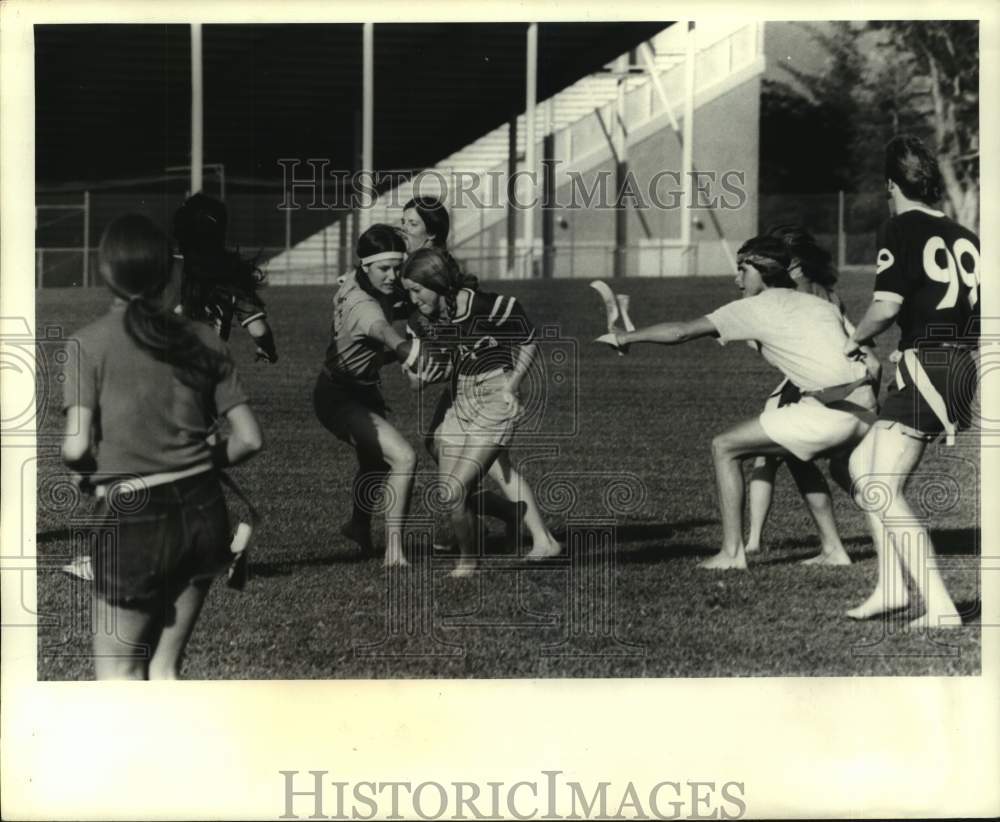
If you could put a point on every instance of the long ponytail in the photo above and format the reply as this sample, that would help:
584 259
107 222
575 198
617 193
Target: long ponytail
135 261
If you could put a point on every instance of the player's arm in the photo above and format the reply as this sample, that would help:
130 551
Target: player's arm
407 351
77 447
880 315
522 362
245 438
669 333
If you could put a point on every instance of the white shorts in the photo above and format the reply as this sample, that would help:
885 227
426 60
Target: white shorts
807 428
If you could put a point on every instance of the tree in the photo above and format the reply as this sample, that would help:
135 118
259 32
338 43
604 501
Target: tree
938 61
881 79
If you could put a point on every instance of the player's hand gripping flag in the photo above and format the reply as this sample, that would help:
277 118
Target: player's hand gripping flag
615 307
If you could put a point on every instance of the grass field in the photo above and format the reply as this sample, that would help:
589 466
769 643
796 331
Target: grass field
617 442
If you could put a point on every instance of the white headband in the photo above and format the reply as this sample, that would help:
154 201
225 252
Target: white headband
395 256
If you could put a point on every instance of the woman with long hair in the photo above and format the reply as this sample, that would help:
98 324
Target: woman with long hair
491 346
140 404
426 224
219 284
347 398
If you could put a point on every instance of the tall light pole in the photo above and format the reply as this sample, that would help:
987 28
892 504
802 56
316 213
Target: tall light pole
197 125
529 149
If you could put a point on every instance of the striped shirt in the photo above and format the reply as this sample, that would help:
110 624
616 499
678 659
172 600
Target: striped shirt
353 352
483 338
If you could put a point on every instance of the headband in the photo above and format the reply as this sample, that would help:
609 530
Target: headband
755 259
394 256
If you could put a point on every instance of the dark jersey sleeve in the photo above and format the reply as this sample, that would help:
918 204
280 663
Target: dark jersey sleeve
892 283
505 317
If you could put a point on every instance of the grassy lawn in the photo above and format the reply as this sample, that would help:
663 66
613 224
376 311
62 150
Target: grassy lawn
618 451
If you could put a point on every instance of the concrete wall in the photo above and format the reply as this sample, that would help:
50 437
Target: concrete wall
726 140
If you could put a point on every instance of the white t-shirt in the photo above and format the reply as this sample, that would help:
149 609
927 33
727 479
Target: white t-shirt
801 335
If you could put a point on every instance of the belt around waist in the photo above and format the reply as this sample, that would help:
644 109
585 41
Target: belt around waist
134 485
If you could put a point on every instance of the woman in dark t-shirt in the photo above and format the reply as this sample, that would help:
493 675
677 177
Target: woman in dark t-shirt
141 399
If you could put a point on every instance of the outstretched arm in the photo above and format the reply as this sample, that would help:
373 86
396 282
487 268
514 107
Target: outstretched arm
878 318
669 333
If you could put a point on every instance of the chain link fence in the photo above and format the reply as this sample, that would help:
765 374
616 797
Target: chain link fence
69 227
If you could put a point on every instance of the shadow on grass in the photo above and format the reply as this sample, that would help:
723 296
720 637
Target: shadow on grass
284 568
947 542
649 554
647 531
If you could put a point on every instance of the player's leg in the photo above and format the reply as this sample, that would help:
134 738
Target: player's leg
510 510
462 472
896 456
516 488
378 443
123 640
870 491
759 497
729 449
168 655
816 493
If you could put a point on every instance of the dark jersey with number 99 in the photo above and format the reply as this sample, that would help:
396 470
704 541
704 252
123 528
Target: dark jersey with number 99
929 264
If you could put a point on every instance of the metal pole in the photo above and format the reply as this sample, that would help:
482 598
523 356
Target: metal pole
511 194
646 53
687 143
841 235
618 139
197 131
529 148
288 240
548 191
86 238
367 108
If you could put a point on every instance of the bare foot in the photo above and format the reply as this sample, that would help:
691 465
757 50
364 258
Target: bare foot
939 619
545 551
880 603
838 557
725 562
465 568
394 559
359 534
752 547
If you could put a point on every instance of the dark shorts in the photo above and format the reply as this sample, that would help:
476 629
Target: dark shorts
952 373
334 399
146 555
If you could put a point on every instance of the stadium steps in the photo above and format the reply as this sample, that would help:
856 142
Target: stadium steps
578 117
